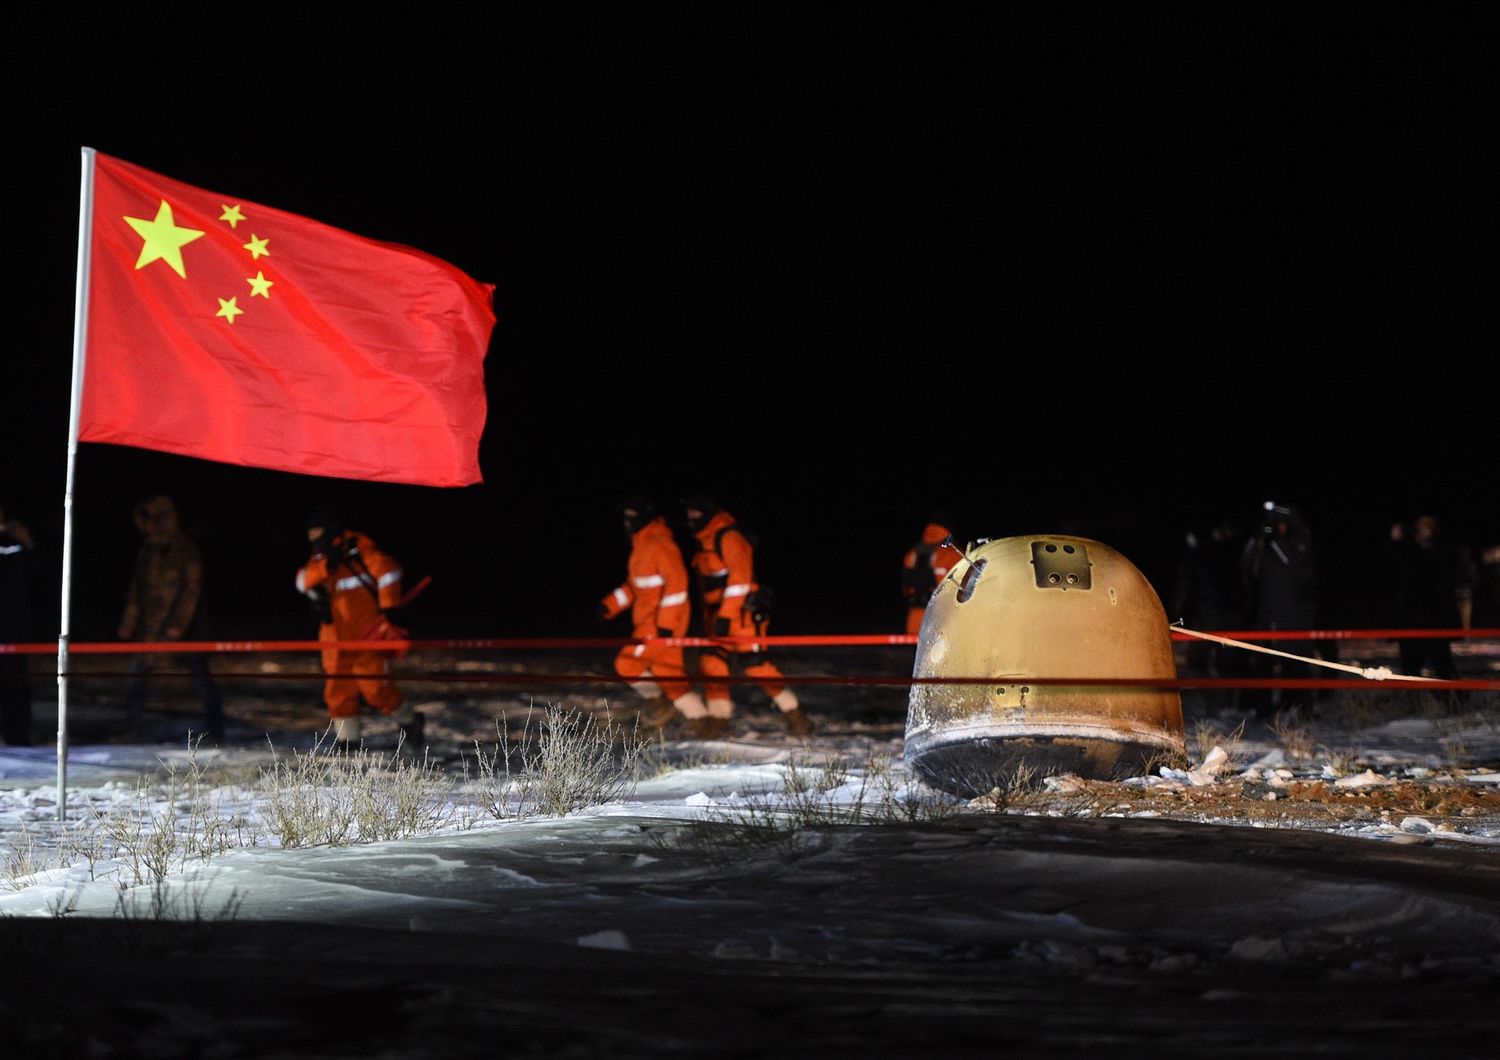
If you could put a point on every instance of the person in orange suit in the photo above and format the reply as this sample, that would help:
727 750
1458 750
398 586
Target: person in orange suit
655 592
351 585
924 567
734 605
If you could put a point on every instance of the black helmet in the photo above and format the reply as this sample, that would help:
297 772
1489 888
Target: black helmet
325 517
636 511
699 501
325 520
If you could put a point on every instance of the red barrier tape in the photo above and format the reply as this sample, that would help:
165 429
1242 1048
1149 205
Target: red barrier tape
865 640
1350 634
541 643
1160 683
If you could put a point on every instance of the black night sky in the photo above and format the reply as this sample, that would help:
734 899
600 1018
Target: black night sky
1108 271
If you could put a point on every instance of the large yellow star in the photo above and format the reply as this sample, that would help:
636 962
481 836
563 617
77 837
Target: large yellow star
229 309
257 247
163 239
233 215
259 285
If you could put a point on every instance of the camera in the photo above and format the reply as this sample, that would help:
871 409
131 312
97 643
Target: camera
1272 515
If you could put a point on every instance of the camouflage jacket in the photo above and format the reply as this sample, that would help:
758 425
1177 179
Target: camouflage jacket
165 591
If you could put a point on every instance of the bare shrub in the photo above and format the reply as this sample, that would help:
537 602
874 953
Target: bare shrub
172 820
143 836
577 761
498 789
1007 786
909 803
1342 760
22 860
1456 750
1207 735
1160 758
568 761
81 841
305 804
809 798
1292 735
336 796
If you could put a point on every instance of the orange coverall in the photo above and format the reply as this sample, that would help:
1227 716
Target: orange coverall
923 569
359 586
656 591
725 568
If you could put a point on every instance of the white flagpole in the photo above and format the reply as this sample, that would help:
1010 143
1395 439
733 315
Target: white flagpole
80 343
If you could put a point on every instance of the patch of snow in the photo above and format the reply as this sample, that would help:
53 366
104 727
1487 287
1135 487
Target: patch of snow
609 939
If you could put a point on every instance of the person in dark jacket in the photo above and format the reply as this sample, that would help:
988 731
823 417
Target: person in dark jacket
1434 581
1280 577
1487 588
17 571
1206 595
165 603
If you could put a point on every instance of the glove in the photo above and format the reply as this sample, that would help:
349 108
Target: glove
322 607
721 627
384 629
600 611
664 632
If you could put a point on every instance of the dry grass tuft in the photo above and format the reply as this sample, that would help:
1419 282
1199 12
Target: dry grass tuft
568 761
830 793
1208 734
337 796
1292 735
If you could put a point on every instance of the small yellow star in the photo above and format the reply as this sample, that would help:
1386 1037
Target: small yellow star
232 214
163 239
257 247
259 285
229 309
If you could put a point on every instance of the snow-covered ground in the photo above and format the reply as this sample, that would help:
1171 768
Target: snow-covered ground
1323 884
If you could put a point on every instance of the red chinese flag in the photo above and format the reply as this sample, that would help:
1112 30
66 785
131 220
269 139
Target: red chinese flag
225 330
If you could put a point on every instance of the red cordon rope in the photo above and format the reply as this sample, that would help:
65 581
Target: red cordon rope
876 640
1161 683
547 643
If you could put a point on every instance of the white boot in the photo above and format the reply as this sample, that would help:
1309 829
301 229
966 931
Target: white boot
646 689
786 699
690 705
346 730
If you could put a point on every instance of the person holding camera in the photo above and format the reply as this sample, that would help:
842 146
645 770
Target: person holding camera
351 586
1279 573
